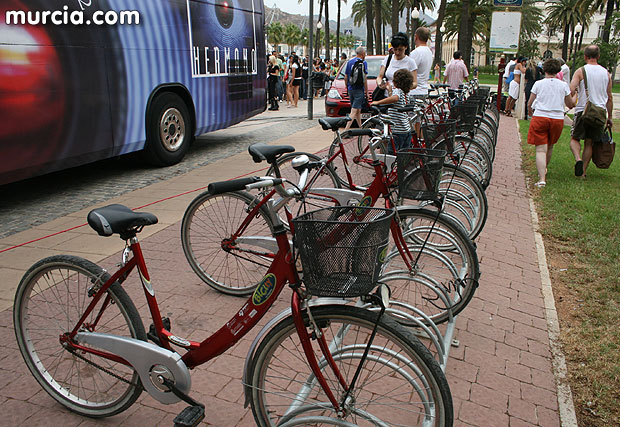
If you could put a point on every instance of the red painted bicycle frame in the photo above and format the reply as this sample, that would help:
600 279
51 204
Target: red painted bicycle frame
282 270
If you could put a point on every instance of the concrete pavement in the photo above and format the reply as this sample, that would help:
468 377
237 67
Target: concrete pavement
500 375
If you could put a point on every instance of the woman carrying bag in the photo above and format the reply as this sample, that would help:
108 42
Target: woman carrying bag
398 60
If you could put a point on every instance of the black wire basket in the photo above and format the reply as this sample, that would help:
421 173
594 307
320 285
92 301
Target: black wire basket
480 100
342 249
440 136
419 173
483 91
465 115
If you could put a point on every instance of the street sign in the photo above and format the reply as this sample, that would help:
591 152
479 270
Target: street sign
505 29
507 3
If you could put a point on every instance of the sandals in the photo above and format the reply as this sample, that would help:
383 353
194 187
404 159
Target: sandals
579 168
540 184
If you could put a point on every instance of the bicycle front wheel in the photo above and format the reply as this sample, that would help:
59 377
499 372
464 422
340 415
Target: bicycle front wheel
50 299
399 383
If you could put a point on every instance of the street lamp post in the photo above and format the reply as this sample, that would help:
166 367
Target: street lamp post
578 29
310 60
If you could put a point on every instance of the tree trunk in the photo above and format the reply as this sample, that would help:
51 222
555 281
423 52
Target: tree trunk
565 43
378 38
369 31
318 39
467 55
438 36
580 40
328 54
464 31
608 14
572 42
408 23
338 32
395 15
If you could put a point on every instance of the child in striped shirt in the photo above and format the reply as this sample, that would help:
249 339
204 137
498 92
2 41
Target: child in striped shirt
398 96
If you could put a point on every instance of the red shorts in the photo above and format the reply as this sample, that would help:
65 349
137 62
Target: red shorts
544 130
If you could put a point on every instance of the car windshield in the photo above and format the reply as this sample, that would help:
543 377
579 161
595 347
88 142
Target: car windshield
374 65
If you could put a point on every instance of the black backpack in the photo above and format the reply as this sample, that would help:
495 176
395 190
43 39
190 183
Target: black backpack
357 74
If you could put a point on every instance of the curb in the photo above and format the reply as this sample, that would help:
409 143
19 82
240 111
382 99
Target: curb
566 408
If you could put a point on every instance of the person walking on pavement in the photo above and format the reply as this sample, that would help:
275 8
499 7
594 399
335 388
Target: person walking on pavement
355 79
455 73
296 80
515 85
304 78
598 93
546 106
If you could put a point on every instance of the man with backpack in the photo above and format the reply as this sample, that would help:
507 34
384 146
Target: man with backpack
357 85
593 113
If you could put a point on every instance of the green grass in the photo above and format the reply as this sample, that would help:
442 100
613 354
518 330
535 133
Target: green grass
491 79
580 222
488 79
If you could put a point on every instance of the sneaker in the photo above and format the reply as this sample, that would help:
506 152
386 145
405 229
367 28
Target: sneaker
579 168
540 184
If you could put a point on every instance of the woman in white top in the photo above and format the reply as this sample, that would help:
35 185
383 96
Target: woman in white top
397 61
546 106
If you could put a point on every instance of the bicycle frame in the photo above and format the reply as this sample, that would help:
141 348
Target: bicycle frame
281 272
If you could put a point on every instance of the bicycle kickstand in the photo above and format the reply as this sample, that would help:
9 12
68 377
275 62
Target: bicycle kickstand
192 415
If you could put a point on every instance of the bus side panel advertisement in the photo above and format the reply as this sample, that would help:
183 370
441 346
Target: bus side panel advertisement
73 91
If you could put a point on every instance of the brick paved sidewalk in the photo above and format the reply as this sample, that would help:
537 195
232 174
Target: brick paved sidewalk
500 375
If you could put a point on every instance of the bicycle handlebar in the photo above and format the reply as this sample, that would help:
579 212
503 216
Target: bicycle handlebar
242 183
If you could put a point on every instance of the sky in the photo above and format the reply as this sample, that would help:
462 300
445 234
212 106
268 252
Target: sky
293 6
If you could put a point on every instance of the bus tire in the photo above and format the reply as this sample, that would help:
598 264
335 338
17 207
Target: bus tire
169 130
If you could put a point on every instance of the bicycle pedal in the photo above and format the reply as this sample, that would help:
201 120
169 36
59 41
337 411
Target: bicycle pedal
190 416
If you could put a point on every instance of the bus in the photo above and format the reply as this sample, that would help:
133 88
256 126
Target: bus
85 80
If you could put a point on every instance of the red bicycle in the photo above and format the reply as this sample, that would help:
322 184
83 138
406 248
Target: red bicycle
83 340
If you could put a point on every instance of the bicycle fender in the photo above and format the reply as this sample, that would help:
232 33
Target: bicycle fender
247 390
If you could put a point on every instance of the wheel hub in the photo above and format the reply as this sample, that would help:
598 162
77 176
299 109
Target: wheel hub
172 129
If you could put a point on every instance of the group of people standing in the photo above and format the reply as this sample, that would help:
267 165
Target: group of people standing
548 97
403 75
287 78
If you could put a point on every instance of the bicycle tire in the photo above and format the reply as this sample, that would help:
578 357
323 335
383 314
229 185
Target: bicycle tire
449 255
78 385
230 267
362 172
385 370
327 179
477 154
474 194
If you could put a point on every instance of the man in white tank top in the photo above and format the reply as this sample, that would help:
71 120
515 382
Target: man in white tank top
599 91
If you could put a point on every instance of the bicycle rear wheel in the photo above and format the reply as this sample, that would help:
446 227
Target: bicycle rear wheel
49 301
226 258
400 383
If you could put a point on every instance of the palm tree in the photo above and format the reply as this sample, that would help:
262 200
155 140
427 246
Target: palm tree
477 23
362 12
292 36
378 37
564 14
438 36
327 39
275 34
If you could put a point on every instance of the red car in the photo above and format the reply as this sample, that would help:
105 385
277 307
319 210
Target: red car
337 102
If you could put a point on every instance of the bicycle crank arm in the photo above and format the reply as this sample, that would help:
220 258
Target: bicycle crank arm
152 363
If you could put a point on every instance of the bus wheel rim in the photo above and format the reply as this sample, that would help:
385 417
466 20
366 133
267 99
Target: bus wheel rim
172 129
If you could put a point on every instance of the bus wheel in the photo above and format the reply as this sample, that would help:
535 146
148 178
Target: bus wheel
169 130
